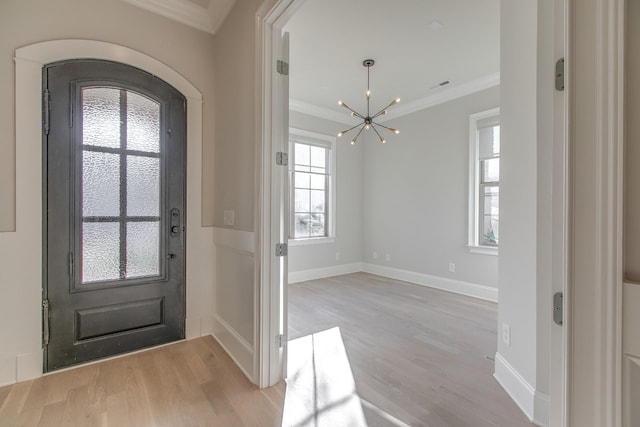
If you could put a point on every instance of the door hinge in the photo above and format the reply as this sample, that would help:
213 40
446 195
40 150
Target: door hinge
282 67
560 74
558 308
45 111
282 159
282 249
280 340
45 321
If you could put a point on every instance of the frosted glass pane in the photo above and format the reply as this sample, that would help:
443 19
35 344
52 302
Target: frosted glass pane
317 201
101 117
490 227
100 251
143 123
143 186
100 184
143 249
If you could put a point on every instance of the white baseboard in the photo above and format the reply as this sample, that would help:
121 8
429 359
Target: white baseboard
7 371
464 288
541 409
236 347
321 273
196 327
23 367
515 385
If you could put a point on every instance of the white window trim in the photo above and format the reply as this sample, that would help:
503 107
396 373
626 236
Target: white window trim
328 141
474 179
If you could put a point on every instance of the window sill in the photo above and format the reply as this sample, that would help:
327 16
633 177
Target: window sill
483 250
311 241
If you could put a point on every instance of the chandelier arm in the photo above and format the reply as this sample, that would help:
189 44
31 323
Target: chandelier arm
348 130
391 104
353 141
342 104
394 130
378 133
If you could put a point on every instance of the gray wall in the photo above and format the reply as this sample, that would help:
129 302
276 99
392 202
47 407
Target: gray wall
416 193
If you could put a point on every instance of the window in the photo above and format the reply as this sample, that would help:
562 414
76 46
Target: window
484 181
311 160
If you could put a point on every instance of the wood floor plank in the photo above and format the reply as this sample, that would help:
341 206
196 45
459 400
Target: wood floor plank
418 354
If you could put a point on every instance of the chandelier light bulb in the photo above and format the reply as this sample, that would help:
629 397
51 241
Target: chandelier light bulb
367 127
353 141
340 103
368 94
340 134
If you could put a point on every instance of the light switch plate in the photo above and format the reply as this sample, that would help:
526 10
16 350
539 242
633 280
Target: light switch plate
229 217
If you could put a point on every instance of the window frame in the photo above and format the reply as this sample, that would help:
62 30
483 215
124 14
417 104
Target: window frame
473 240
328 142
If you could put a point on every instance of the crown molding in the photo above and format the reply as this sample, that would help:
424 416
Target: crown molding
207 19
444 95
320 112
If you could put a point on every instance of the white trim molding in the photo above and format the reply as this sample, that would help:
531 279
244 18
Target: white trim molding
236 347
515 385
321 273
442 96
207 19
456 286
595 77
26 242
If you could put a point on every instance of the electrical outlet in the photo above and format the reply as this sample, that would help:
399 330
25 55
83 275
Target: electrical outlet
387 257
452 267
506 334
229 217
375 255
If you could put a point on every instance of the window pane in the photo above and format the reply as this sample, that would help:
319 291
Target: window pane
302 225
489 142
143 186
101 117
143 249
302 201
318 182
100 251
491 201
100 184
302 154
316 225
318 157
143 123
490 170
490 230
317 201
303 180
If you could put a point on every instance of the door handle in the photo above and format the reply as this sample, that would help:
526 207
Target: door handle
174 222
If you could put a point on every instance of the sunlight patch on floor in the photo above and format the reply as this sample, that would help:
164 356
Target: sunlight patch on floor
321 390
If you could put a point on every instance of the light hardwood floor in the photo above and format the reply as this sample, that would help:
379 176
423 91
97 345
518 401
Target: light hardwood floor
190 383
421 355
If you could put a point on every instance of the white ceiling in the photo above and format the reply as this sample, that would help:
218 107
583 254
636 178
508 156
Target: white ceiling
416 45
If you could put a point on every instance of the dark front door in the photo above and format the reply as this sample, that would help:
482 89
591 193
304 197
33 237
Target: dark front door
114 211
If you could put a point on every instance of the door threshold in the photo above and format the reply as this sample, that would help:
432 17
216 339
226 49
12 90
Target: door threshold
117 356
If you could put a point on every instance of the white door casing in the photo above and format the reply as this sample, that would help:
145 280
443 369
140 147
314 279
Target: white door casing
272 114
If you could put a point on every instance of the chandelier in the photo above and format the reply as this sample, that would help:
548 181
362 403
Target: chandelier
368 120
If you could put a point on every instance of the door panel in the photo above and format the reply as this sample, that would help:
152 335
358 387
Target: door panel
115 181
